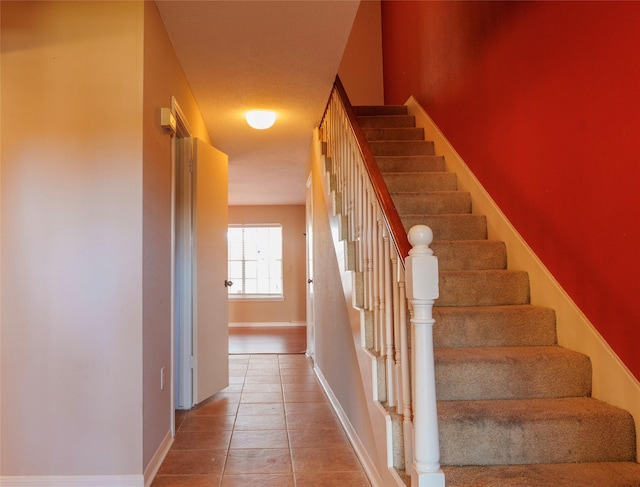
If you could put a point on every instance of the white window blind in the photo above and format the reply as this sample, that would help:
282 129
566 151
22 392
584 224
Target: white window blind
255 261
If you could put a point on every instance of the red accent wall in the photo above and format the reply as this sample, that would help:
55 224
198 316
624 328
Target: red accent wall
542 100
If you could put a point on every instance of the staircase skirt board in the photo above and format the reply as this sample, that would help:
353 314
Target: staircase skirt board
514 408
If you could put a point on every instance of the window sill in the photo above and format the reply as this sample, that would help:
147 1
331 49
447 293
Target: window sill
254 297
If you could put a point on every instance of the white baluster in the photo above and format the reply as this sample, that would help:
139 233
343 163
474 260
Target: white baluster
388 321
422 290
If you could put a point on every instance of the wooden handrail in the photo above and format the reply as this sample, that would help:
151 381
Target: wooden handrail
396 228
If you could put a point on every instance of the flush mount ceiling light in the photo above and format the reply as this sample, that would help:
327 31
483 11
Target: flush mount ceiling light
261 119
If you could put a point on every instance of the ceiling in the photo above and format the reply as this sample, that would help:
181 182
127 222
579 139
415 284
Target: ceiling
279 55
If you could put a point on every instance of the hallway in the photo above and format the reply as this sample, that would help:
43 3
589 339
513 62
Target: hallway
272 427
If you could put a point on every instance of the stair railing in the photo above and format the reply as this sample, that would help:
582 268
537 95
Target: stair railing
380 254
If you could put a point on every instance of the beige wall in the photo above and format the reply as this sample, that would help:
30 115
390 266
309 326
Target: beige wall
163 78
71 221
336 344
86 212
293 308
361 66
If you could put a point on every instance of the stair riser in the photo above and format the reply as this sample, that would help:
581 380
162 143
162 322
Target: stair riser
499 326
402 148
420 182
612 474
437 203
470 255
483 288
402 133
534 431
511 373
492 441
411 163
450 227
387 121
377 110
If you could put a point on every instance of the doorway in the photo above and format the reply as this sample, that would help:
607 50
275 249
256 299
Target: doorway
267 318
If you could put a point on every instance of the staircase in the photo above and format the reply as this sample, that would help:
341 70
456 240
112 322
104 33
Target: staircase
514 408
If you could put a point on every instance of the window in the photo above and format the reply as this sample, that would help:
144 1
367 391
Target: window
255 261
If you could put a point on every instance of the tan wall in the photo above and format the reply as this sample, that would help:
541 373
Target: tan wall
336 344
163 78
293 308
71 358
361 67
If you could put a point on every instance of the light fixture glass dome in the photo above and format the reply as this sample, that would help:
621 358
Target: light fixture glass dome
261 119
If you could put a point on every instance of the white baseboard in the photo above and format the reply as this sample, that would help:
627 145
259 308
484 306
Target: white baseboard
267 323
612 381
73 481
159 456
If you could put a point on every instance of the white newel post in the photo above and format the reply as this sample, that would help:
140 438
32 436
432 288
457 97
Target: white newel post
422 289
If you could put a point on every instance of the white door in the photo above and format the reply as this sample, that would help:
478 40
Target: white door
201 268
311 343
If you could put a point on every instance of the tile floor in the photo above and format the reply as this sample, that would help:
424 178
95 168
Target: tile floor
272 427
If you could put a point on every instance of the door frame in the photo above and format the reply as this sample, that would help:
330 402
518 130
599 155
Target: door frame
182 130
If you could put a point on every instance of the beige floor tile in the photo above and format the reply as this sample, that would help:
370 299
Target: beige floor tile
258 461
259 480
260 422
259 439
305 396
193 462
208 423
308 460
341 479
323 421
263 359
267 408
261 387
289 378
202 440
307 438
301 386
272 427
186 481
216 408
262 379
261 397
310 408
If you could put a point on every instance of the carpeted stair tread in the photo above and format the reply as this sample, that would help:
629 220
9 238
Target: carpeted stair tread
525 431
609 474
394 133
419 163
483 288
494 326
402 147
432 203
376 110
451 226
413 184
470 254
480 373
386 121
